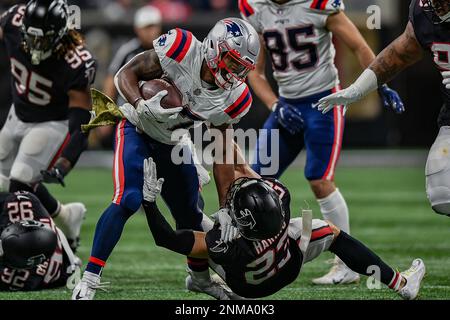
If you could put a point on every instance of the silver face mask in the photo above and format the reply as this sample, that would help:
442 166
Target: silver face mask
231 50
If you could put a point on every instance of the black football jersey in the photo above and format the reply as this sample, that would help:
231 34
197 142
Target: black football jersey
40 92
435 39
256 269
52 272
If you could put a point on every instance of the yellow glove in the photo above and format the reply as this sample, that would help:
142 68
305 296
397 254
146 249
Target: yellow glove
104 110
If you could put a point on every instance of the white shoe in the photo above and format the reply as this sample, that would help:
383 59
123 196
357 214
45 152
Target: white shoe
85 289
413 277
214 287
338 274
69 220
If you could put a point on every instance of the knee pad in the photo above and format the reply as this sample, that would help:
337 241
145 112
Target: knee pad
22 172
35 142
131 200
437 173
6 145
4 183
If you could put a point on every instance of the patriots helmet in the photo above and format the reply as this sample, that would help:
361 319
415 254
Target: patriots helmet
44 25
231 50
255 209
438 9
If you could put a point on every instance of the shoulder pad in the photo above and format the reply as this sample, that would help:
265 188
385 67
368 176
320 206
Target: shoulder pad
241 104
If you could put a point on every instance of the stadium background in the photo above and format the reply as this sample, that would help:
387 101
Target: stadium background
381 170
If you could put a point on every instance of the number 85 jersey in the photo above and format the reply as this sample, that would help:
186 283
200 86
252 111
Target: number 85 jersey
298 42
40 92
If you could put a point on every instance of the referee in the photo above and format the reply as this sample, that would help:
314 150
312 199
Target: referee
147 27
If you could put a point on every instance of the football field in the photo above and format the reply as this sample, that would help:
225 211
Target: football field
389 212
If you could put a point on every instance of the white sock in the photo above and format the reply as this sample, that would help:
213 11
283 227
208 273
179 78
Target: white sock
60 215
334 208
202 276
207 223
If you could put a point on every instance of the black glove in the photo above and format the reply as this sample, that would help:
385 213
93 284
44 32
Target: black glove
57 173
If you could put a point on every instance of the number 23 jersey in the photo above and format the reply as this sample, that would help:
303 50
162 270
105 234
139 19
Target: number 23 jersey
298 43
255 269
40 92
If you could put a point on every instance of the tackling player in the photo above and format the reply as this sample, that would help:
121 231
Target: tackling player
297 35
51 74
265 255
34 253
428 30
210 77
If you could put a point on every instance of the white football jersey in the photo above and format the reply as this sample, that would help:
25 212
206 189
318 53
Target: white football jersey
298 43
181 59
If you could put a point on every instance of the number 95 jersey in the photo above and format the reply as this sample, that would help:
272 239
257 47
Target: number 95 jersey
40 92
298 42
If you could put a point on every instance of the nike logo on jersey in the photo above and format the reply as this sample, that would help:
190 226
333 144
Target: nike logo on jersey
89 64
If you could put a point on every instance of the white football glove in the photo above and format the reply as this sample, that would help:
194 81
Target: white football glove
343 97
228 232
152 185
365 84
151 109
446 80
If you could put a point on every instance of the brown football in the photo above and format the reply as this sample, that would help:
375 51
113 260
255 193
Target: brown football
173 99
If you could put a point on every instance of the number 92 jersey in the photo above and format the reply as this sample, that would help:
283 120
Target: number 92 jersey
51 273
40 92
298 42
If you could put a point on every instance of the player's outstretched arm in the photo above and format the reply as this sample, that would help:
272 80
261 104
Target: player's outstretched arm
144 66
401 53
341 26
223 167
79 114
258 80
186 242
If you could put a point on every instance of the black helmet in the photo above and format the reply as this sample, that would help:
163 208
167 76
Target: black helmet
255 209
44 24
26 244
438 10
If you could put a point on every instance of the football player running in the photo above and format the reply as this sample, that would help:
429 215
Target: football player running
210 77
258 250
297 34
34 253
428 30
51 74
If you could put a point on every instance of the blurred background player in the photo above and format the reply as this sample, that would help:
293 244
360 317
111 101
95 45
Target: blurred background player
34 253
428 30
266 253
211 78
297 35
147 27
51 75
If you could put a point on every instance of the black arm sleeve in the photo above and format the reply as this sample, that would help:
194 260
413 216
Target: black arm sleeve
180 241
78 140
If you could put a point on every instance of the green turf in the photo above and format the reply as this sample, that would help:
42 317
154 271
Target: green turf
388 209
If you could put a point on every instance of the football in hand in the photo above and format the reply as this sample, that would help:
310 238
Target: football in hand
173 99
